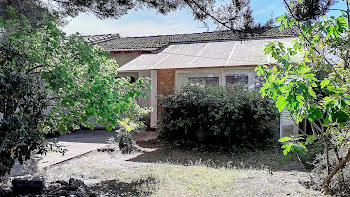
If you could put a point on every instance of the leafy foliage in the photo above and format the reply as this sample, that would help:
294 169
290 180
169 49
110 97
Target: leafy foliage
231 116
312 81
126 127
50 81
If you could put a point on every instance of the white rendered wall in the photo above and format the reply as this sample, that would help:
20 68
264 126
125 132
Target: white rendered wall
153 99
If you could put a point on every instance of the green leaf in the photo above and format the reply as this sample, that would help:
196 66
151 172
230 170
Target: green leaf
331 88
310 139
285 139
315 113
281 103
287 148
311 92
310 76
299 148
325 82
342 19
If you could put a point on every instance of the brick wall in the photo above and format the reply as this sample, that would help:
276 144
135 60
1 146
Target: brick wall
165 84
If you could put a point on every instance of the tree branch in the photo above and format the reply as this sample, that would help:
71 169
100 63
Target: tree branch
188 2
31 69
325 184
337 9
303 132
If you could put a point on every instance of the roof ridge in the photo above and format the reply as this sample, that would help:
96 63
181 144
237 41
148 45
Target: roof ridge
100 34
95 39
224 31
152 43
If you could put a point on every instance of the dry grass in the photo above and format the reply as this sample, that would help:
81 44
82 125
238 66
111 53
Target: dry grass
171 172
175 180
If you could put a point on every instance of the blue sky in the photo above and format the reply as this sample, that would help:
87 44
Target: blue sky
149 22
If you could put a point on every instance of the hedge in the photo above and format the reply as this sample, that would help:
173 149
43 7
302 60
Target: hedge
230 116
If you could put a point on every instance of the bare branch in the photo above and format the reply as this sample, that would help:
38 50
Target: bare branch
32 69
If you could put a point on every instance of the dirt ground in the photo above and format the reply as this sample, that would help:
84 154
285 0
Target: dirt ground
164 171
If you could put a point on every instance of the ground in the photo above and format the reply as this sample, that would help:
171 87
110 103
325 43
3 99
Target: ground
162 171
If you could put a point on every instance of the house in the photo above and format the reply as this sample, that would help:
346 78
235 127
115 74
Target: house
210 58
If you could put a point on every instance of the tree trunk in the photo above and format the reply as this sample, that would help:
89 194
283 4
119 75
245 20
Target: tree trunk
340 183
325 184
327 156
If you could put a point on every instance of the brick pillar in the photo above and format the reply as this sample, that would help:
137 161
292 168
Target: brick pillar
165 84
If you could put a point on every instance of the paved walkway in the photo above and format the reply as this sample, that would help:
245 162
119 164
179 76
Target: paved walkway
85 141
77 143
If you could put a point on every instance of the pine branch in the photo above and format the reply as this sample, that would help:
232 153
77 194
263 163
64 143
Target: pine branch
189 3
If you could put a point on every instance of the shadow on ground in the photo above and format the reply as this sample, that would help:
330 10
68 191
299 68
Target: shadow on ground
272 159
141 187
29 167
87 136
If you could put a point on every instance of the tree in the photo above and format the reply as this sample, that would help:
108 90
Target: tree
317 88
50 81
234 14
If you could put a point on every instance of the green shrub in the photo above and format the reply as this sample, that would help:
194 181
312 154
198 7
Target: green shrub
230 116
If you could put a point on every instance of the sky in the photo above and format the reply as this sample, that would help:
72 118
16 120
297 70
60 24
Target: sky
149 22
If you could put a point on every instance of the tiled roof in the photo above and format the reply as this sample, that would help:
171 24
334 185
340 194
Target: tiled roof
95 39
152 43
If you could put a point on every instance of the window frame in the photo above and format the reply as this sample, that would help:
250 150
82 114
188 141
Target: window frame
204 79
246 82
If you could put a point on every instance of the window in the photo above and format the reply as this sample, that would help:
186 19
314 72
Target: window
208 81
237 79
132 79
259 82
